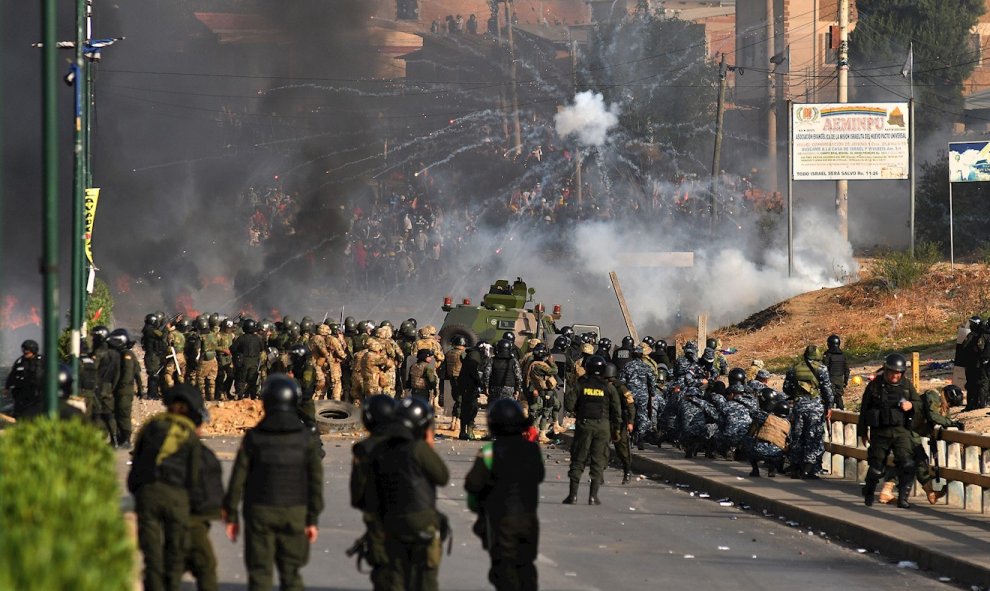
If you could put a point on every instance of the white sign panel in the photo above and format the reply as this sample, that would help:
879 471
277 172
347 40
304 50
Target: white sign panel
969 162
852 141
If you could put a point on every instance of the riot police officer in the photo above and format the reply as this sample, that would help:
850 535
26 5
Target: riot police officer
503 488
278 474
885 423
407 472
246 352
595 405
24 381
838 369
128 386
155 347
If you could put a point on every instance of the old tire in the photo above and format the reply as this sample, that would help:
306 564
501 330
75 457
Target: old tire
451 330
334 415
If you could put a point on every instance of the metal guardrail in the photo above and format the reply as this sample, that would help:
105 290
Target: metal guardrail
964 459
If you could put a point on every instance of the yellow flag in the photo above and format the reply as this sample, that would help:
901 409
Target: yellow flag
89 218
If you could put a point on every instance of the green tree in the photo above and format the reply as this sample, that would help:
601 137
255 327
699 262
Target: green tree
944 54
99 310
657 70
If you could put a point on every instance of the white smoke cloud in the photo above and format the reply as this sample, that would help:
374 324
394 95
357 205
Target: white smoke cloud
587 118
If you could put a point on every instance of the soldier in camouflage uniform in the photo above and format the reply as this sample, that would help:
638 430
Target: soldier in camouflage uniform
422 377
319 346
174 372
541 399
642 382
501 374
763 451
808 386
720 363
375 369
206 371
225 361
192 353
696 418
734 420
622 449
336 362
451 372
393 352
304 373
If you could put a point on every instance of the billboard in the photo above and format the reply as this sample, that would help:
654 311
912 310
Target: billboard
851 141
969 162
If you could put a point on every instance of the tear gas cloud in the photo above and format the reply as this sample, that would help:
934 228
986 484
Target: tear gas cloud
588 118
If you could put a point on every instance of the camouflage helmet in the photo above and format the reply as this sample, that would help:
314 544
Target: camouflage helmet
587 348
323 330
427 331
383 332
374 346
813 353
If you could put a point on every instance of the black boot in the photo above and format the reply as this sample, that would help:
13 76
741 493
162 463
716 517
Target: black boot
124 440
868 490
572 496
811 472
903 492
755 472
593 494
625 477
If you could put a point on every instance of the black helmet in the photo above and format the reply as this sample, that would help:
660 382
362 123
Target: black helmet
503 349
605 344
377 411
595 365
214 320
509 336
100 334
611 371
280 393
660 344
288 324
416 414
250 326
782 408
119 338
159 316
412 321
299 351
540 352
561 343
227 324
30 345
202 324
64 380
627 342
737 375
895 362
307 326
567 331
833 342
151 319
652 342
711 343
506 417
690 346
975 322
768 397
405 325
953 395
294 331
458 340
183 325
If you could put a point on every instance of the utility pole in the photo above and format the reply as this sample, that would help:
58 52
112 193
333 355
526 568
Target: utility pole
771 102
49 208
577 151
79 178
842 185
512 77
720 113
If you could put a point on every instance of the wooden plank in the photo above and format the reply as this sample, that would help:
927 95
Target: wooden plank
950 435
622 306
702 332
953 474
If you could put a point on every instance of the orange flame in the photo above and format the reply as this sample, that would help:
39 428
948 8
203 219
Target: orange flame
11 319
184 304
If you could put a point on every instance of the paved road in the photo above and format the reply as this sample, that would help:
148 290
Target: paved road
646 534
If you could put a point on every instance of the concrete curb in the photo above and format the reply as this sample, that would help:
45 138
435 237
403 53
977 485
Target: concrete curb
970 571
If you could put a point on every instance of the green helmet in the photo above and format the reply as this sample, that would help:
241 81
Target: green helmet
813 353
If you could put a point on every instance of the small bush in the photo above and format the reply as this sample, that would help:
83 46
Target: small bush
60 520
899 270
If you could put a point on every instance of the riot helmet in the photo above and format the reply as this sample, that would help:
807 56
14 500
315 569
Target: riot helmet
377 411
415 414
99 334
833 342
64 381
711 343
509 336
540 352
280 393
307 326
458 340
953 395
30 346
605 344
151 319
250 326
299 351
214 320
503 349
627 342
737 375
595 365
567 331
118 339
611 371
183 325
202 324
895 362
506 417
561 343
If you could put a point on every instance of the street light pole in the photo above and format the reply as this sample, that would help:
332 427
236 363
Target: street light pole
49 209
